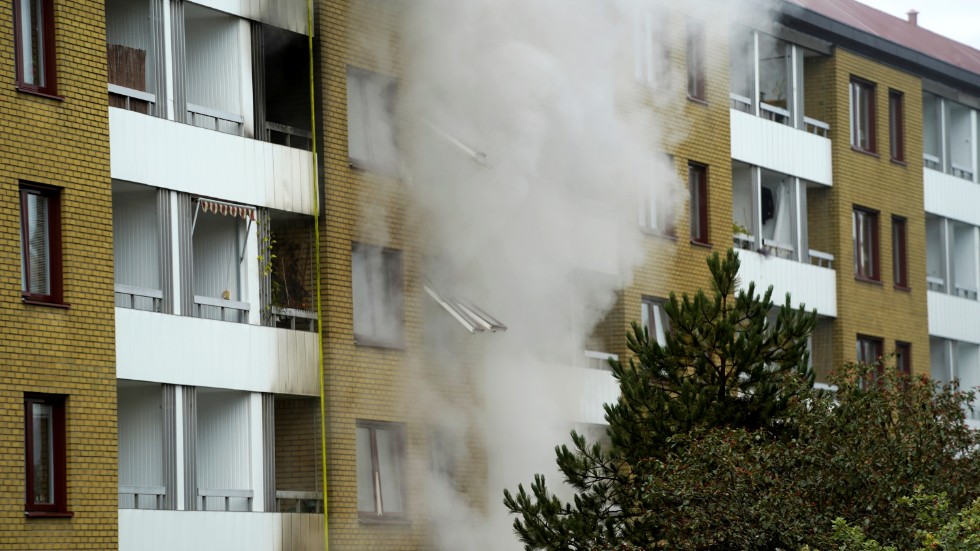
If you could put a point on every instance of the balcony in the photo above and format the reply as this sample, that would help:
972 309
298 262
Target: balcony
812 285
951 197
769 126
595 386
166 530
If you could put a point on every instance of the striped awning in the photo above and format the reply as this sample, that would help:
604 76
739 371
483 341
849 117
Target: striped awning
226 209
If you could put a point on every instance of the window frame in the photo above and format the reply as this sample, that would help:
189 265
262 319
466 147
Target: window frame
55 296
863 111
903 358
695 58
398 429
896 125
58 457
861 270
47 43
359 79
394 274
657 216
697 182
867 343
900 254
649 307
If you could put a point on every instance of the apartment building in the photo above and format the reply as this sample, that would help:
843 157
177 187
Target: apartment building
277 292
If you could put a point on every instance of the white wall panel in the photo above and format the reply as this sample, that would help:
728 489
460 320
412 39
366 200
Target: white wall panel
953 317
214 531
778 147
140 435
286 14
223 453
192 351
596 387
813 286
951 197
213 68
181 157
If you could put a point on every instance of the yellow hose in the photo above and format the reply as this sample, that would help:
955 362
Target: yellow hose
316 263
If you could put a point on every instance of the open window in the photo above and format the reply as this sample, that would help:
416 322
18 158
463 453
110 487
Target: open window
376 281
281 76
380 455
371 121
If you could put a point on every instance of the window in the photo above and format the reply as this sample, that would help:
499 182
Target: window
44 456
652 62
371 121
654 319
40 243
695 60
34 45
865 233
376 279
869 349
900 268
697 180
379 476
896 125
903 358
656 211
863 115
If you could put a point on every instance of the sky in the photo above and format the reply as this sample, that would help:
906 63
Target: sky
957 19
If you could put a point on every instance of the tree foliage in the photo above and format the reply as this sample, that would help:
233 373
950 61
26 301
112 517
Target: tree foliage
720 442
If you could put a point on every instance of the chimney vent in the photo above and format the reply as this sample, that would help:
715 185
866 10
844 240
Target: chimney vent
914 17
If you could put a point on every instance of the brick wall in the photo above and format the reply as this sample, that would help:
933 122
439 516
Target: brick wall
60 142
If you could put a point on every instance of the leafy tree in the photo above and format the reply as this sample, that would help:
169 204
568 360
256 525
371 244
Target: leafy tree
725 363
768 464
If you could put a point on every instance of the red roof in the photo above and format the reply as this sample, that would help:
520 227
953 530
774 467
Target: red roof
897 30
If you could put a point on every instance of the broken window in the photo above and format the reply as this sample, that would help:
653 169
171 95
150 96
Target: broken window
376 281
371 121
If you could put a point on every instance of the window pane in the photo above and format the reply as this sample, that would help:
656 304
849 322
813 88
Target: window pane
32 41
389 470
42 454
38 276
365 471
376 276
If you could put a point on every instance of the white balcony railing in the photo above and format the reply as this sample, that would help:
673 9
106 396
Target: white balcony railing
814 126
934 283
223 498
740 103
138 298
961 171
221 309
292 318
214 119
133 98
932 162
821 259
774 113
965 292
743 241
777 249
141 497
299 502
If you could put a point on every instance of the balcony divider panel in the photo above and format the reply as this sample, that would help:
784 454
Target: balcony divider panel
258 81
269 451
263 234
180 59
190 447
159 68
166 251
185 247
169 404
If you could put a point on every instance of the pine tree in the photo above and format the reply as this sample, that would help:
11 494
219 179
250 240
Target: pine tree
726 362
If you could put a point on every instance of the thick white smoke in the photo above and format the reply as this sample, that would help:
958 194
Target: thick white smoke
531 132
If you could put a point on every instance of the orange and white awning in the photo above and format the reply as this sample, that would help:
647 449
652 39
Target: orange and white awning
226 209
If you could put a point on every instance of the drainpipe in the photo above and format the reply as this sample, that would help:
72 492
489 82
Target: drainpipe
316 263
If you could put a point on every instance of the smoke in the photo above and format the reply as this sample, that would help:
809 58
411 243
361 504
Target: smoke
530 130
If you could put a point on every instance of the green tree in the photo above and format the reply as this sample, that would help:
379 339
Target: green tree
726 362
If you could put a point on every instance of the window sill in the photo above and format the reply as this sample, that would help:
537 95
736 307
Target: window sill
376 343
704 244
899 162
903 288
867 152
867 280
48 514
370 168
368 518
699 101
654 233
40 93
38 302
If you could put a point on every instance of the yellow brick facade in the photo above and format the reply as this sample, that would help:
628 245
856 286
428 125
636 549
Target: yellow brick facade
66 351
873 181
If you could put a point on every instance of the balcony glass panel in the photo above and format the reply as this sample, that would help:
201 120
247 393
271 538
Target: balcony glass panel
132 56
964 260
223 451
141 482
136 246
213 69
217 246
775 79
959 140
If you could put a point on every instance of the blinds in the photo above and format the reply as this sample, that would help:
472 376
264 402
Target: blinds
38 269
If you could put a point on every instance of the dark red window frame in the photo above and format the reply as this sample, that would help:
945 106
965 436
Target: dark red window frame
54 296
695 60
58 457
49 85
867 271
863 115
903 358
697 180
896 125
900 256
398 430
